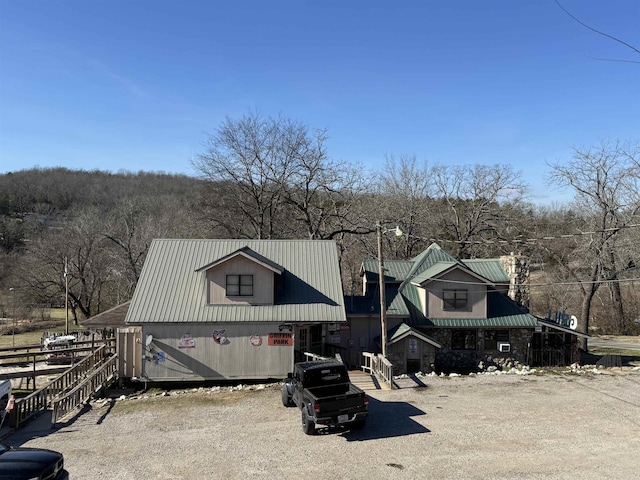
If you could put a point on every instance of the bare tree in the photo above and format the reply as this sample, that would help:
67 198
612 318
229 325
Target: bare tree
272 178
323 196
605 181
82 243
406 191
248 161
470 204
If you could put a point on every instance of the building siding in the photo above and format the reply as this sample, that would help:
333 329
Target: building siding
263 285
218 352
477 295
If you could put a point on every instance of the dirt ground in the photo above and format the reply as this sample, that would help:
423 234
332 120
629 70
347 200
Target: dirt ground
509 426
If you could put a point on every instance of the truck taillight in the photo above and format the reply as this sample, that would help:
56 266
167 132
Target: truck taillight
366 401
316 408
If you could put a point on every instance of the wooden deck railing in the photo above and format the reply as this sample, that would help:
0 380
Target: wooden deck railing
27 407
32 354
379 366
314 357
95 381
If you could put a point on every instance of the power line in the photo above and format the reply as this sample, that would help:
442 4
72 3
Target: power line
523 240
536 285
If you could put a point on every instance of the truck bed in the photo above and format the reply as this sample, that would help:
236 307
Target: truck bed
334 400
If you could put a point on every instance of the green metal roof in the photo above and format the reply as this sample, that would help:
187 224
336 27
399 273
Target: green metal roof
432 255
404 299
489 268
433 271
395 270
523 320
172 285
403 330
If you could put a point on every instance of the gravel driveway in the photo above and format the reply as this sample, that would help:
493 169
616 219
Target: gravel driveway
532 427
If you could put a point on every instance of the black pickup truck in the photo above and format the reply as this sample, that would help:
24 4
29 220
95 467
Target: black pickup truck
325 396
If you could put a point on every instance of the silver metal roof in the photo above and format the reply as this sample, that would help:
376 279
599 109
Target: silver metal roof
171 290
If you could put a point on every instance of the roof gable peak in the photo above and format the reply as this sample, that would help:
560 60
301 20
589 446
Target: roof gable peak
249 254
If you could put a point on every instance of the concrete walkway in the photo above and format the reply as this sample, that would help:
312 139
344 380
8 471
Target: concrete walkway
40 426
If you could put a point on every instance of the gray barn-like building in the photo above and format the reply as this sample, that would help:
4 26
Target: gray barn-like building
233 309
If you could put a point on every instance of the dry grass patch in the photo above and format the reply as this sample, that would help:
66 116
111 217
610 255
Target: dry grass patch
622 338
174 401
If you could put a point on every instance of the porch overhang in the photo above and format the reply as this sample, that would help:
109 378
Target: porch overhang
555 326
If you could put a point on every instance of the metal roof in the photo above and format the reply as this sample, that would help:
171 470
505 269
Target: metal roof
113 317
403 330
395 270
248 253
555 326
404 299
433 271
489 268
172 285
523 320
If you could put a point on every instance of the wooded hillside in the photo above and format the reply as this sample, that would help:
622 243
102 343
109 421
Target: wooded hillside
272 178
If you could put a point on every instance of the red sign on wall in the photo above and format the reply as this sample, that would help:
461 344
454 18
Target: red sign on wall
280 339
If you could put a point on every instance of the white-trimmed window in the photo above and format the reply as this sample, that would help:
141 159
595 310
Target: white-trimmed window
239 285
455 299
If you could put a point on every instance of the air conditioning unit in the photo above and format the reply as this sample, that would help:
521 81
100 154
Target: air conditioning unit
504 347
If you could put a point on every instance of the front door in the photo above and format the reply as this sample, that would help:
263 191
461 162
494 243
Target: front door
413 355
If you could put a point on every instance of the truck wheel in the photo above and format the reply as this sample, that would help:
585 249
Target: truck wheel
286 398
358 424
308 425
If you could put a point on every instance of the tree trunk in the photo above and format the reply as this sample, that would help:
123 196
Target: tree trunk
589 293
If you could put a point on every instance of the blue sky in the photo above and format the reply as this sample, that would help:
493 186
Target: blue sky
137 85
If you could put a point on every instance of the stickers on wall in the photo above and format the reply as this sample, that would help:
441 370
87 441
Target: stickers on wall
255 340
187 341
219 337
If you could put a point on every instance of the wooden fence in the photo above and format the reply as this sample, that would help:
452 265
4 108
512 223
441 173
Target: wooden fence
32 354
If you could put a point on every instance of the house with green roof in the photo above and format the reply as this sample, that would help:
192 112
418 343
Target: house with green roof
443 313
233 309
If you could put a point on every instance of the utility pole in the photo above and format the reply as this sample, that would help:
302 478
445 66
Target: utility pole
383 301
13 331
66 297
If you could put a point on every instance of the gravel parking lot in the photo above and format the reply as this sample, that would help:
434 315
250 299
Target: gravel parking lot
509 426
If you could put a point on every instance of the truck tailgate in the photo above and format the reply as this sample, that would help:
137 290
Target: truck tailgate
349 401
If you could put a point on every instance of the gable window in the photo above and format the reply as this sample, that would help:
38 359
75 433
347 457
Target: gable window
463 339
492 337
239 285
455 299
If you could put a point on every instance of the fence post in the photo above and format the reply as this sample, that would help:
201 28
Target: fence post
34 373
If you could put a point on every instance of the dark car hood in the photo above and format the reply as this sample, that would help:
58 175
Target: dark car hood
26 461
